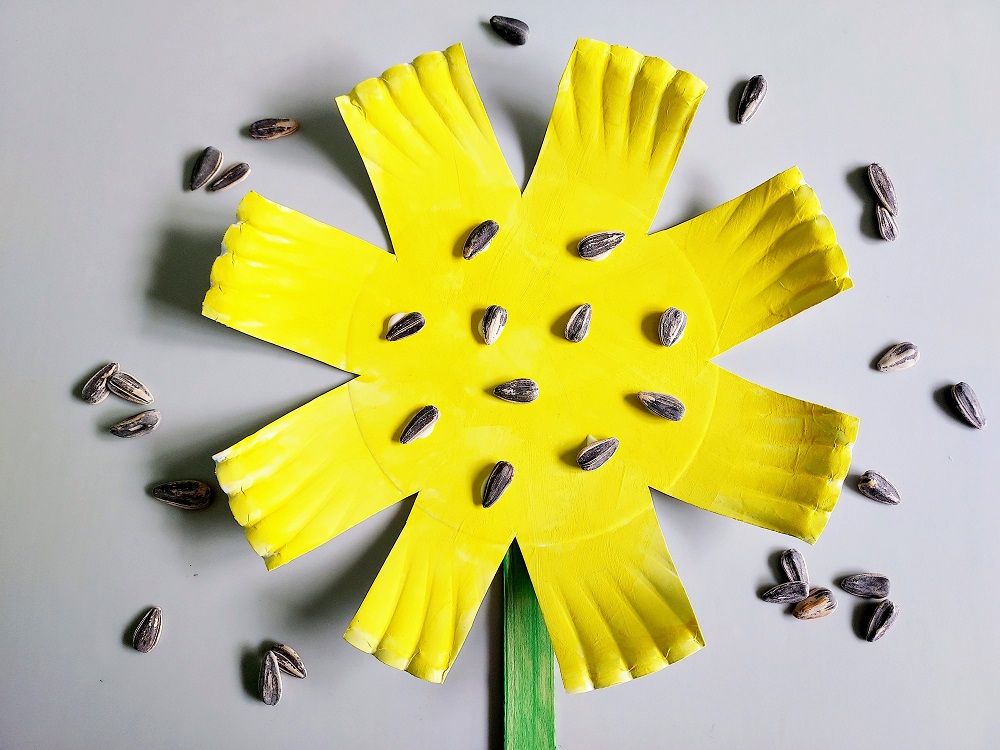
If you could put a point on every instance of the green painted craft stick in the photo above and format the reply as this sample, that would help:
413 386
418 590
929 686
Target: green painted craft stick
528 663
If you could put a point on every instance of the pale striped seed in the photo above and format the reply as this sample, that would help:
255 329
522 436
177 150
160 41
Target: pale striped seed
662 405
794 566
206 167
480 238
273 127
493 322
578 325
96 390
289 662
511 30
596 454
753 95
867 585
786 593
421 425
128 387
403 325
887 228
968 405
882 619
899 357
517 391
672 325
876 487
883 188
270 679
236 173
497 482
599 246
137 425
189 494
147 633
819 603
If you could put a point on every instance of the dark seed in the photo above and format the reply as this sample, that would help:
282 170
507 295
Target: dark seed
662 405
882 619
206 167
493 322
273 127
270 679
579 324
480 239
876 487
968 405
405 326
819 603
794 565
189 494
867 585
753 95
497 483
883 188
236 173
786 593
887 227
138 425
599 246
421 425
147 633
510 29
518 391
672 325
289 662
595 455
128 387
96 389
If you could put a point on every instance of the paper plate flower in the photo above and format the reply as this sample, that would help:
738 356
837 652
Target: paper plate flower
609 593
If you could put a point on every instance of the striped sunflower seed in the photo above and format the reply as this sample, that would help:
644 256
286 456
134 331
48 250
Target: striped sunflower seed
596 454
147 633
421 425
578 325
128 387
672 325
899 357
206 167
270 679
480 238
882 619
273 127
662 405
887 228
867 585
497 482
753 95
289 662
883 188
786 593
517 391
402 325
819 603
492 325
189 494
510 30
876 487
599 246
140 424
968 405
236 173
794 565
95 390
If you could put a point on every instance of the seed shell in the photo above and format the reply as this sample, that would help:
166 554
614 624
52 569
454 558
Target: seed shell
518 391
786 593
794 565
96 389
492 325
876 487
595 455
599 246
208 164
147 633
236 173
480 238
867 585
662 405
883 188
899 357
270 679
421 425
578 325
128 387
968 405
189 494
137 425
511 30
672 325
819 603
407 325
273 127
887 228
497 482
289 662
882 619
753 95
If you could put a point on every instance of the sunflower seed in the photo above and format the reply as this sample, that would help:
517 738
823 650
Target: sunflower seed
289 662
968 405
137 425
497 482
794 565
899 357
753 95
672 325
578 325
819 603
887 228
867 585
876 487
206 167
96 389
882 619
518 391
128 387
492 324
272 127
786 593
189 494
236 173
883 188
421 425
662 405
599 246
147 633
401 326
480 238
510 30
595 455
270 679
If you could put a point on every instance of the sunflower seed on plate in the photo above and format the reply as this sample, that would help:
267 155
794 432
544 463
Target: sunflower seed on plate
876 487
421 425
272 127
480 238
189 494
596 454
96 389
493 322
236 173
510 30
899 357
794 565
968 405
578 325
270 679
883 188
786 593
887 228
599 246
289 662
672 325
147 633
819 603
136 425
128 387
518 391
753 95
402 325
882 619
867 585
497 482
662 405
208 164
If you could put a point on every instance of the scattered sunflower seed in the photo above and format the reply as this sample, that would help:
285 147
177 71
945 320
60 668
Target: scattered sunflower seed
662 405
137 425
882 619
147 633
289 662
867 585
786 593
883 188
672 325
189 494
497 482
794 565
518 391
128 387
270 679
272 127
876 487
595 455
753 95
819 603
493 322
599 246
899 357
578 325
968 405
421 425
206 167
403 325
887 228
96 389
236 173
480 238
510 30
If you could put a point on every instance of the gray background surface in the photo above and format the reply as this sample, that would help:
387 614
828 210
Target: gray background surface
103 255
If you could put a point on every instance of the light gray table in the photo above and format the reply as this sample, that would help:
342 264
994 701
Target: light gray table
104 255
